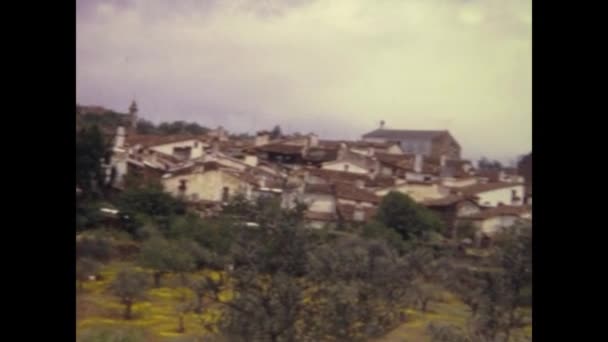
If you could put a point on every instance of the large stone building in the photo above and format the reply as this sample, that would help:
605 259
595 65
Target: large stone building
428 143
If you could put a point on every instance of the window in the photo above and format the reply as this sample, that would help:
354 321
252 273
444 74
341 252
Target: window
225 194
182 185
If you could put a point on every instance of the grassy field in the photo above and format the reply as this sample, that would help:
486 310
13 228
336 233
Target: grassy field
156 319
156 315
448 311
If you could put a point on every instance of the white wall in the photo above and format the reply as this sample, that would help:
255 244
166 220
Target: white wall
207 186
466 209
339 166
493 225
458 182
419 177
418 192
493 197
197 151
320 203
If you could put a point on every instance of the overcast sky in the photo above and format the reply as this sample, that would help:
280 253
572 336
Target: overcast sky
334 67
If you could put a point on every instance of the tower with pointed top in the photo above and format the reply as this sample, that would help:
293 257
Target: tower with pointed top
133 114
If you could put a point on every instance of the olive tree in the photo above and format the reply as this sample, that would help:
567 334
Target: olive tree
128 286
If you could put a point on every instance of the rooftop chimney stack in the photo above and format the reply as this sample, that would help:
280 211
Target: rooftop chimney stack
120 137
382 124
418 163
133 114
262 138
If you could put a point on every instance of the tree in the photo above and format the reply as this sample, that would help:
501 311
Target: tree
93 248
128 286
486 164
145 127
163 256
399 212
90 150
276 133
149 201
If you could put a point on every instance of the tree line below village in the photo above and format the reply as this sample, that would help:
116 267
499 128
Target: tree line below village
291 283
298 284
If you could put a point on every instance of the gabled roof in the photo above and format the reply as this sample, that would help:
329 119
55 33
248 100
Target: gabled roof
323 189
445 201
321 154
404 134
319 216
341 176
149 140
349 192
280 148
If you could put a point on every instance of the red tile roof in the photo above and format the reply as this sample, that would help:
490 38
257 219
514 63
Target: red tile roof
319 216
349 192
325 189
280 148
149 140
341 176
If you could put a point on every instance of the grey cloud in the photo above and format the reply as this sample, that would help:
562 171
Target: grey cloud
334 67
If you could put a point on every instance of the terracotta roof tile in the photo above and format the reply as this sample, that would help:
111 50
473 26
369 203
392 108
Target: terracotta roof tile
350 192
319 216
280 148
149 140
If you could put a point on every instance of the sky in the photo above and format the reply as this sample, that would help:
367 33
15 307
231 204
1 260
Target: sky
333 67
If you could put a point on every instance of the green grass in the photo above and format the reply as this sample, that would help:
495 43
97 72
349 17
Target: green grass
450 311
155 315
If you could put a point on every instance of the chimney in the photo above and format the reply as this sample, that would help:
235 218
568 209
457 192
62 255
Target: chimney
382 124
313 140
418 163
262 182
215 147
262 138
341 152
221 134
251 160
358 213
120 137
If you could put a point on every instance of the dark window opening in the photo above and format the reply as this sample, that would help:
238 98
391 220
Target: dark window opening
182 185
225 194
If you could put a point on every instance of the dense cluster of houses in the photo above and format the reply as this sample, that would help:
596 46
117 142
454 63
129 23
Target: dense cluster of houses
341 181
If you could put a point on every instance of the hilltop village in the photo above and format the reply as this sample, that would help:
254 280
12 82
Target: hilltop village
340 181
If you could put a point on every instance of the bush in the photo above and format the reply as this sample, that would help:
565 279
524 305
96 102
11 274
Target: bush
399 212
